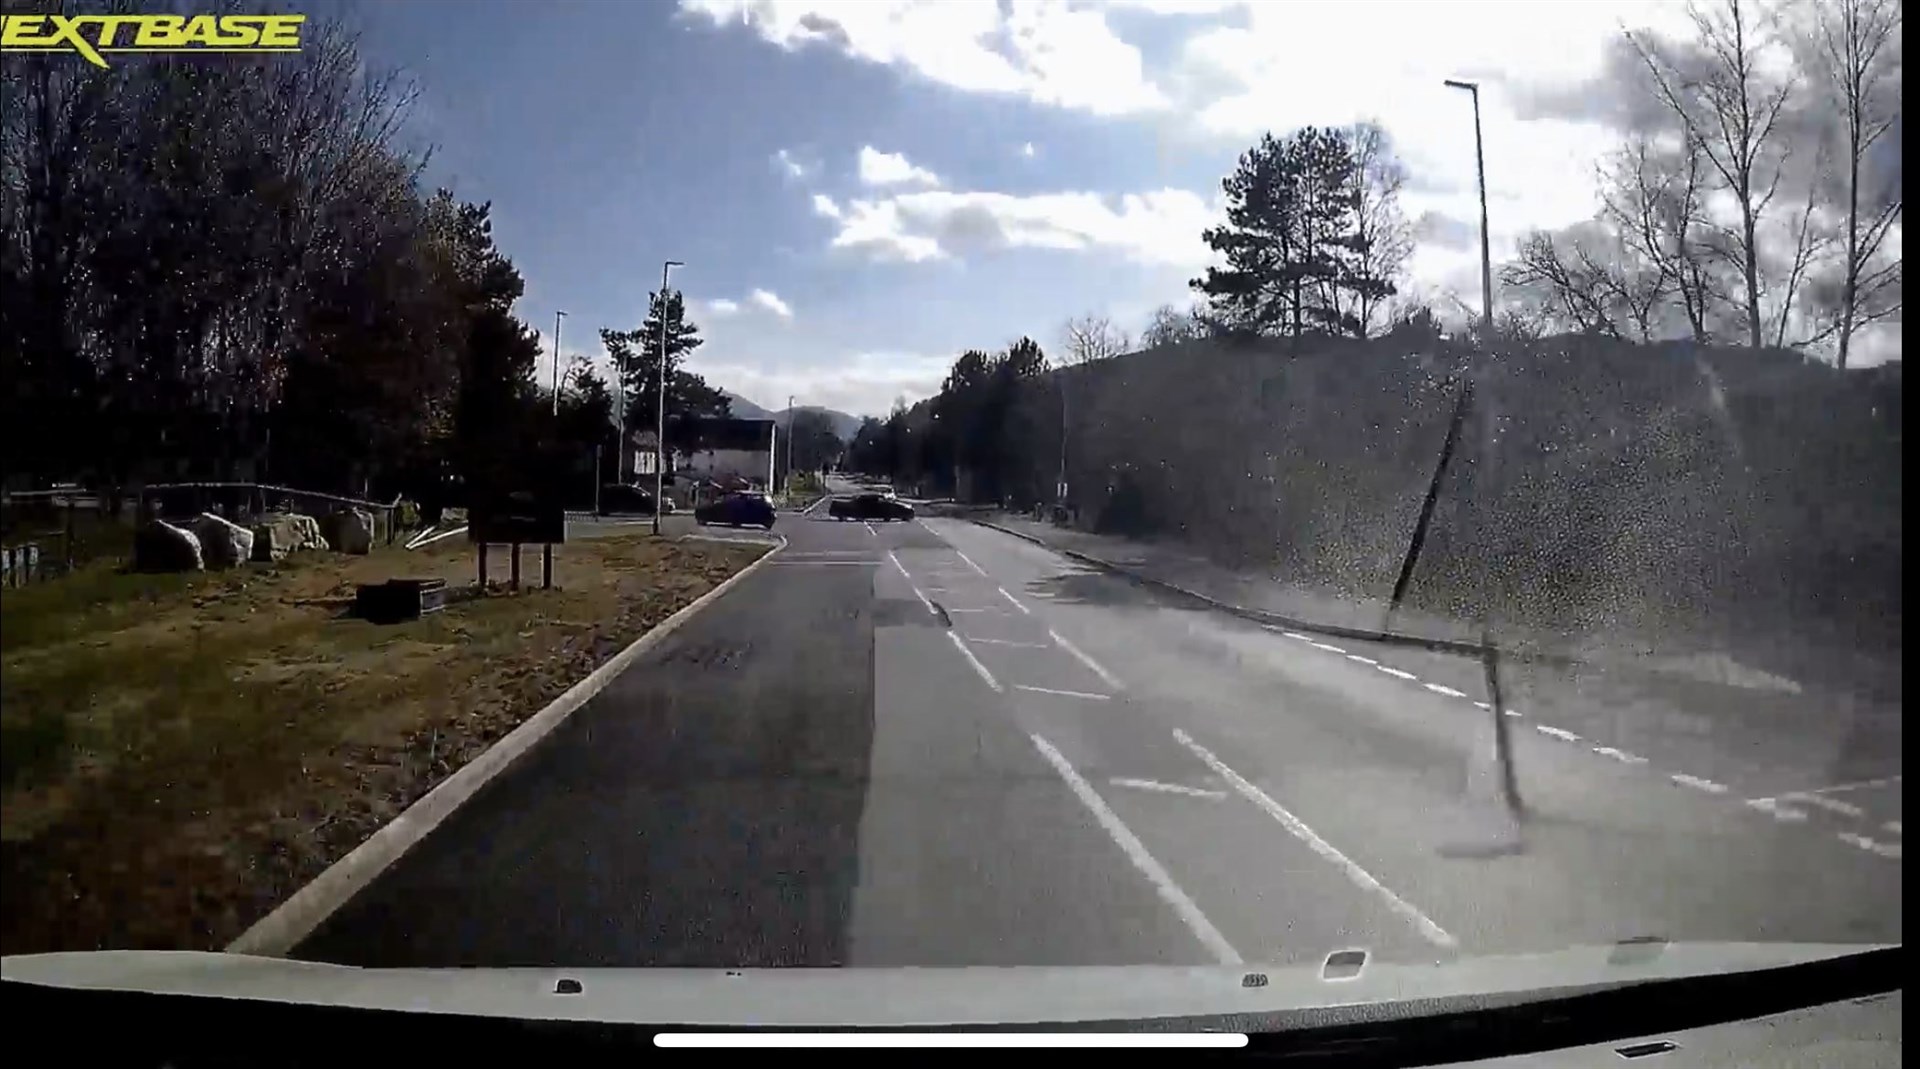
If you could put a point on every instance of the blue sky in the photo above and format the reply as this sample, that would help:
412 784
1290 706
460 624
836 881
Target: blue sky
862 190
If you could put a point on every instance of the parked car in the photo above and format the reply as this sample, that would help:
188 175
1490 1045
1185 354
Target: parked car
627 497
738 509
869 507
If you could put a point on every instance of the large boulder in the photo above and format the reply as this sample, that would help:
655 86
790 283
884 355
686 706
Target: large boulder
159 546
223 544
281 533
350 530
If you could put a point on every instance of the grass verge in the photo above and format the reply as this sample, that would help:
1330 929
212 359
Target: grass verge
182 752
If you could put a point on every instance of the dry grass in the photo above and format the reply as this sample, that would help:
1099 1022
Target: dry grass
183 752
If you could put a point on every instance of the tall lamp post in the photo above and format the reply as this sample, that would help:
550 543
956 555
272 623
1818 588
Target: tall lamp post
660 403
1481 400
791 466
1486 253
557 317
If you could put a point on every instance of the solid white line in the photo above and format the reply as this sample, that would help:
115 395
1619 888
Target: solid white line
1166 788
1620 755
1773 808
970 563
1700 784
1324 646
1016 601
1448 691
972 610
1296 634
1834 805
960 645
1434 933
1362 660
938 589
870 529
1008 642
1081 655
1558 733
1862 785
825 564
1395 672
1064 693
1136 852
1891 850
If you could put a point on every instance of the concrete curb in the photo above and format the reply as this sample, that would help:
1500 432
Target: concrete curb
277 933
1262 616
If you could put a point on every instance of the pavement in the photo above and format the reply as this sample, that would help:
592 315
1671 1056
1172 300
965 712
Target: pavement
936 744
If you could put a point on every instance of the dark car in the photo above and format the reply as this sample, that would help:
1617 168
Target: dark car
869 507
626 497
737 509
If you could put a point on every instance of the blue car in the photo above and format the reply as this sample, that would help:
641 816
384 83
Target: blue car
739 509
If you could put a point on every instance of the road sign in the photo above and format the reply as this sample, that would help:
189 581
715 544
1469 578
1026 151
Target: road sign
518 516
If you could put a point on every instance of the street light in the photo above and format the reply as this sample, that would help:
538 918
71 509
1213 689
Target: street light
790 464
1486 253
557 317
660 403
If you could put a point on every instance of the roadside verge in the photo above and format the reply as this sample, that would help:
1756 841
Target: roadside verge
281 930
1263 616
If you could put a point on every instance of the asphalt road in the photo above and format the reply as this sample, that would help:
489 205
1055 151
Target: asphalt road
934 744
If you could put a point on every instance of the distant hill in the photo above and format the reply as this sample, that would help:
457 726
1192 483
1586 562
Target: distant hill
745 409
843 424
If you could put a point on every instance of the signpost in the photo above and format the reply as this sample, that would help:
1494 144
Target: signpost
516 517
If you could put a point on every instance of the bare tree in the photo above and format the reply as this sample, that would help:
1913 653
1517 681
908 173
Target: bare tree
1569 285
1856 52
1382 237
1093 337
1652 198
1730 105
1170 326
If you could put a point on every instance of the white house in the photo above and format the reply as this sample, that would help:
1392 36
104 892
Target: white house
723 451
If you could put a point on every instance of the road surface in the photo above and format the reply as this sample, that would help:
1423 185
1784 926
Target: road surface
935 744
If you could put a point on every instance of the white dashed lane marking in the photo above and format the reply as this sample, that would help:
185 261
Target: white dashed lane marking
1086 695
1324 646
1015 602
1167 788
1558 733
1448 691
1832 805
966 652
1697 783
1395 672
1871 846
1361 877
1620 755
1773 808
1143 861
1356 658
1080 655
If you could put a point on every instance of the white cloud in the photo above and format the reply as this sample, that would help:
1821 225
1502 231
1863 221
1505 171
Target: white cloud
720 306
1048 51
892 169
862 383
823 205
770 301
793 167
1027 150
1159 227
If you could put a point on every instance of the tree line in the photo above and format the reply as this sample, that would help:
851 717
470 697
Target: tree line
210 269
